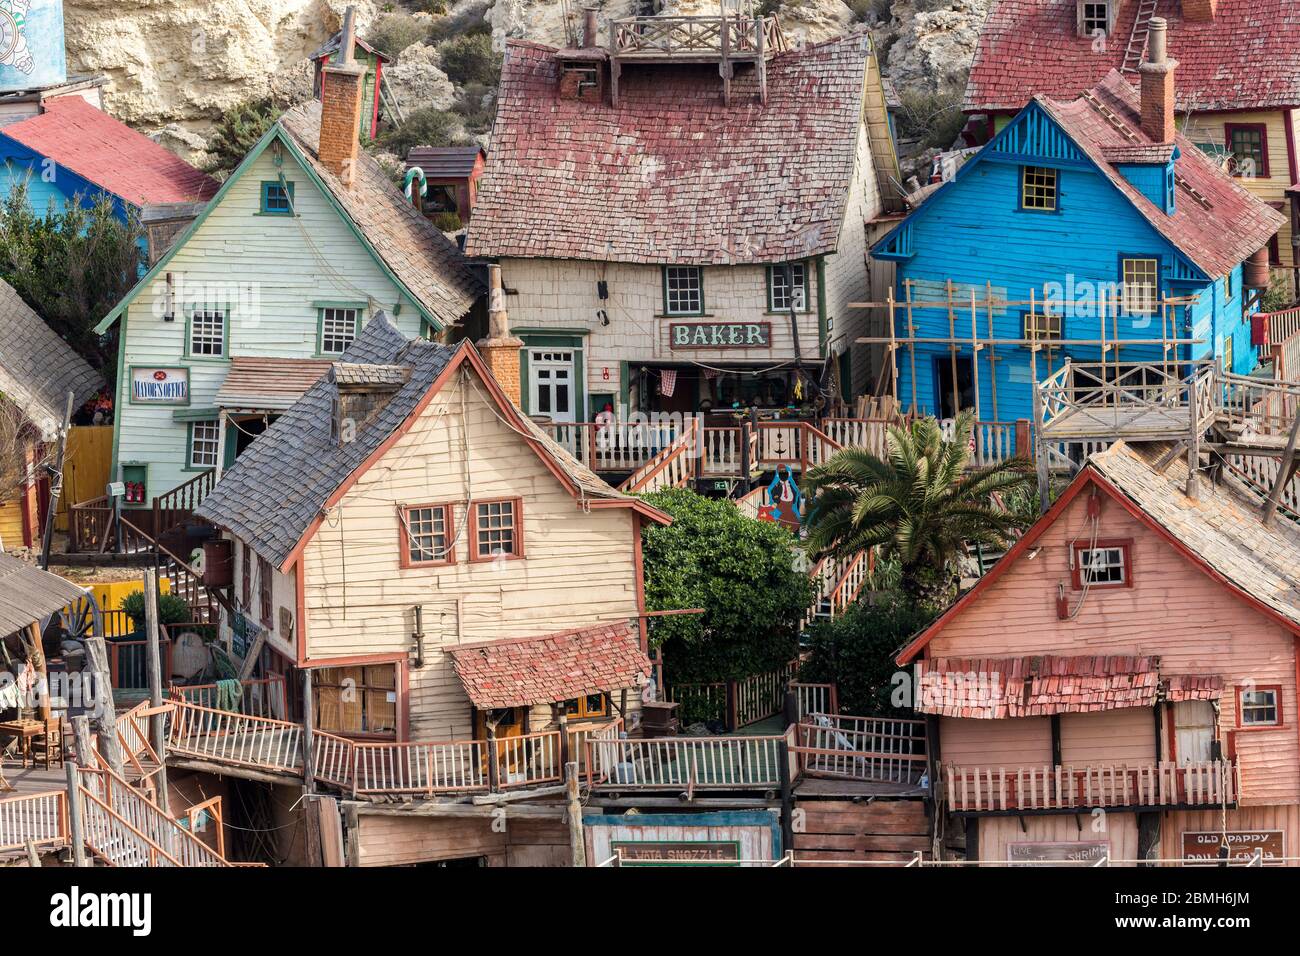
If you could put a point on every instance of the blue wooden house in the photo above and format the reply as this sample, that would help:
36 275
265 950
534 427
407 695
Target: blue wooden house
1085 230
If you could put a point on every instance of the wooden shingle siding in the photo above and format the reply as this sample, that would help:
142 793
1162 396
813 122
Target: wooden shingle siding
269 270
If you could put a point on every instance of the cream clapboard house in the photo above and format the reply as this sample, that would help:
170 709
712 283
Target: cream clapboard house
674 242
303 244
408 538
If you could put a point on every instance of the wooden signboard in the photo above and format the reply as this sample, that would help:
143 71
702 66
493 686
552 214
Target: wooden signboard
160 386
720 335
701 852
715 838
1202 846
1074 853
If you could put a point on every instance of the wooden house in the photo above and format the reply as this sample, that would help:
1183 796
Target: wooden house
451 175
374 62
674 241
1086 230
305 242
1151 673
1239 77
37 370
438 569
73 150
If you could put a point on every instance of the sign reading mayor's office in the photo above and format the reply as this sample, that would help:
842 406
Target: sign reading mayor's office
160 386
720 335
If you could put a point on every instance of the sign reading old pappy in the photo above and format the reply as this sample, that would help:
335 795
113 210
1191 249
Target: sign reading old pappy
720 335
1203 847
162 386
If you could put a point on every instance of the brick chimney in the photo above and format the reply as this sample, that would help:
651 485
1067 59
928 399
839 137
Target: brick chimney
1199 9
1158 85
590 28
342 80
500 350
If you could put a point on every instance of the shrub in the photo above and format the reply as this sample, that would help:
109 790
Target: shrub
447 221
172 609
471 59
426 126
238 131
464 23
741 571
476 105
856 652
394 32
935 119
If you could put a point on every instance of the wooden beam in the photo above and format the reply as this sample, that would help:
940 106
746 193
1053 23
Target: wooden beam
1285 472
153 655
459 810
577 841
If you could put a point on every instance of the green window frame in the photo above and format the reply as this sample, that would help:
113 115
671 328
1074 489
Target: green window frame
779 296
683 290
207 333
277 198
203 445
332 322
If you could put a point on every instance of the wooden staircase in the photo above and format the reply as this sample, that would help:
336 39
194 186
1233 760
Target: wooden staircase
673 467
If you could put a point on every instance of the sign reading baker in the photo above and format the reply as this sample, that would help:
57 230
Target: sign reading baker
720 335
160 386
1203 846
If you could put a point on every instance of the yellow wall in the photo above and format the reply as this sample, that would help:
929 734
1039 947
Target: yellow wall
86 467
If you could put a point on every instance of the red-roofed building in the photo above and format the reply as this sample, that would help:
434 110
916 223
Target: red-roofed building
1238 79
73 149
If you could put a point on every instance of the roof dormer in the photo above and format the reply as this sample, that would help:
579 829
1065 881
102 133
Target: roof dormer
1096 17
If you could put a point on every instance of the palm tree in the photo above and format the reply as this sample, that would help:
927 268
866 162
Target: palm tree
922 506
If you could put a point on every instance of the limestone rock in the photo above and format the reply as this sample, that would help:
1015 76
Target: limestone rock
416 80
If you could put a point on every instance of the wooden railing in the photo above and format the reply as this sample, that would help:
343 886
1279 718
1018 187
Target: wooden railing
869 433
700 702
528 760
688 763
815 699
996 442
750 502
90 525
1048 787
687 36
128 664
836 584
1095 399
734 703
1282 326
579 734
219 735
39 818
1259 473
1255 407
673 467
725 451
762 695
616 446
261 697
430 768
881 749
175 507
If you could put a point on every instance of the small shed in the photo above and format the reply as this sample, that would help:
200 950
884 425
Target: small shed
451 175
374 62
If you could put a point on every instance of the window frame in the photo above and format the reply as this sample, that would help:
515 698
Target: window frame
246 577
1262 170
1156 295
1084 19
1024 186
264 207
581 712
190 464
1049 318
404 537
397 691
778 269
224 355
699 274
475 556
1123 545
1276 691
321 309
265 597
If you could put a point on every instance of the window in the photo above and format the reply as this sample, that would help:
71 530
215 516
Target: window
208 333
498 529
1094 17
1141 286
781 297
338 327
588 707
1259 707
427 536
205 444
1044 326
1247 144
552 376
1228 358
246 574
265 611
1104 566
683 290
1227 287
277 199
1038 188
356 700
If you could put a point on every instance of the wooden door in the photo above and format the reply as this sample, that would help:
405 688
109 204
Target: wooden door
513 723
1193 731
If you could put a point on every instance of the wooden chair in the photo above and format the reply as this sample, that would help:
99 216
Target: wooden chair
51 744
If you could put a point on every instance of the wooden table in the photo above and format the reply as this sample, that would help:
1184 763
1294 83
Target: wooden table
28 730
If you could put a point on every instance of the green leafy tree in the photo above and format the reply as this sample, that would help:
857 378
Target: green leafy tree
426 126
238 131
856 652
922 505
71 265
741 571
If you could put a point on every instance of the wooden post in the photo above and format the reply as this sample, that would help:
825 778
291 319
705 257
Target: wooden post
76 832
105 714
911 344
577 840
1040 452
562 721
56 485
36 656
787 795
153 655
81 741
494 768
308 733
993 348
1285 472
975 356
1194 436
353 843
32 859
952 350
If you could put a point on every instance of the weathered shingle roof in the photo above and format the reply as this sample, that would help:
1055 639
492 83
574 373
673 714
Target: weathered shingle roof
1217 239
1220 527
555 667
1247 57
110 154
444 162
672 174
28 594
37 368
422 258
279 485
256 381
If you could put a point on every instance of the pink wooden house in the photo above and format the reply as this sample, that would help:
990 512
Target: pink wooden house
1134 653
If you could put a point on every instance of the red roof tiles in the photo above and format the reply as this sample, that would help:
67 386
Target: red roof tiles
673 174
1035 686
110 154
1248 57
1193 687
554 667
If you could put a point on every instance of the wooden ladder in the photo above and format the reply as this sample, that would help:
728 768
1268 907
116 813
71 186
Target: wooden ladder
1137 41
883 155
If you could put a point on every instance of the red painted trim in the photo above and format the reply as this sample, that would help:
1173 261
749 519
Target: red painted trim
1089 475
639 573
300 586
1277 699
1262 129
403 539
374 100
1292 163
1124 544
1171 732
475 556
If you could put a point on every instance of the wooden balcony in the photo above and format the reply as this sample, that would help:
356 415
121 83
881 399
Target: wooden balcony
1056 789
696 39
